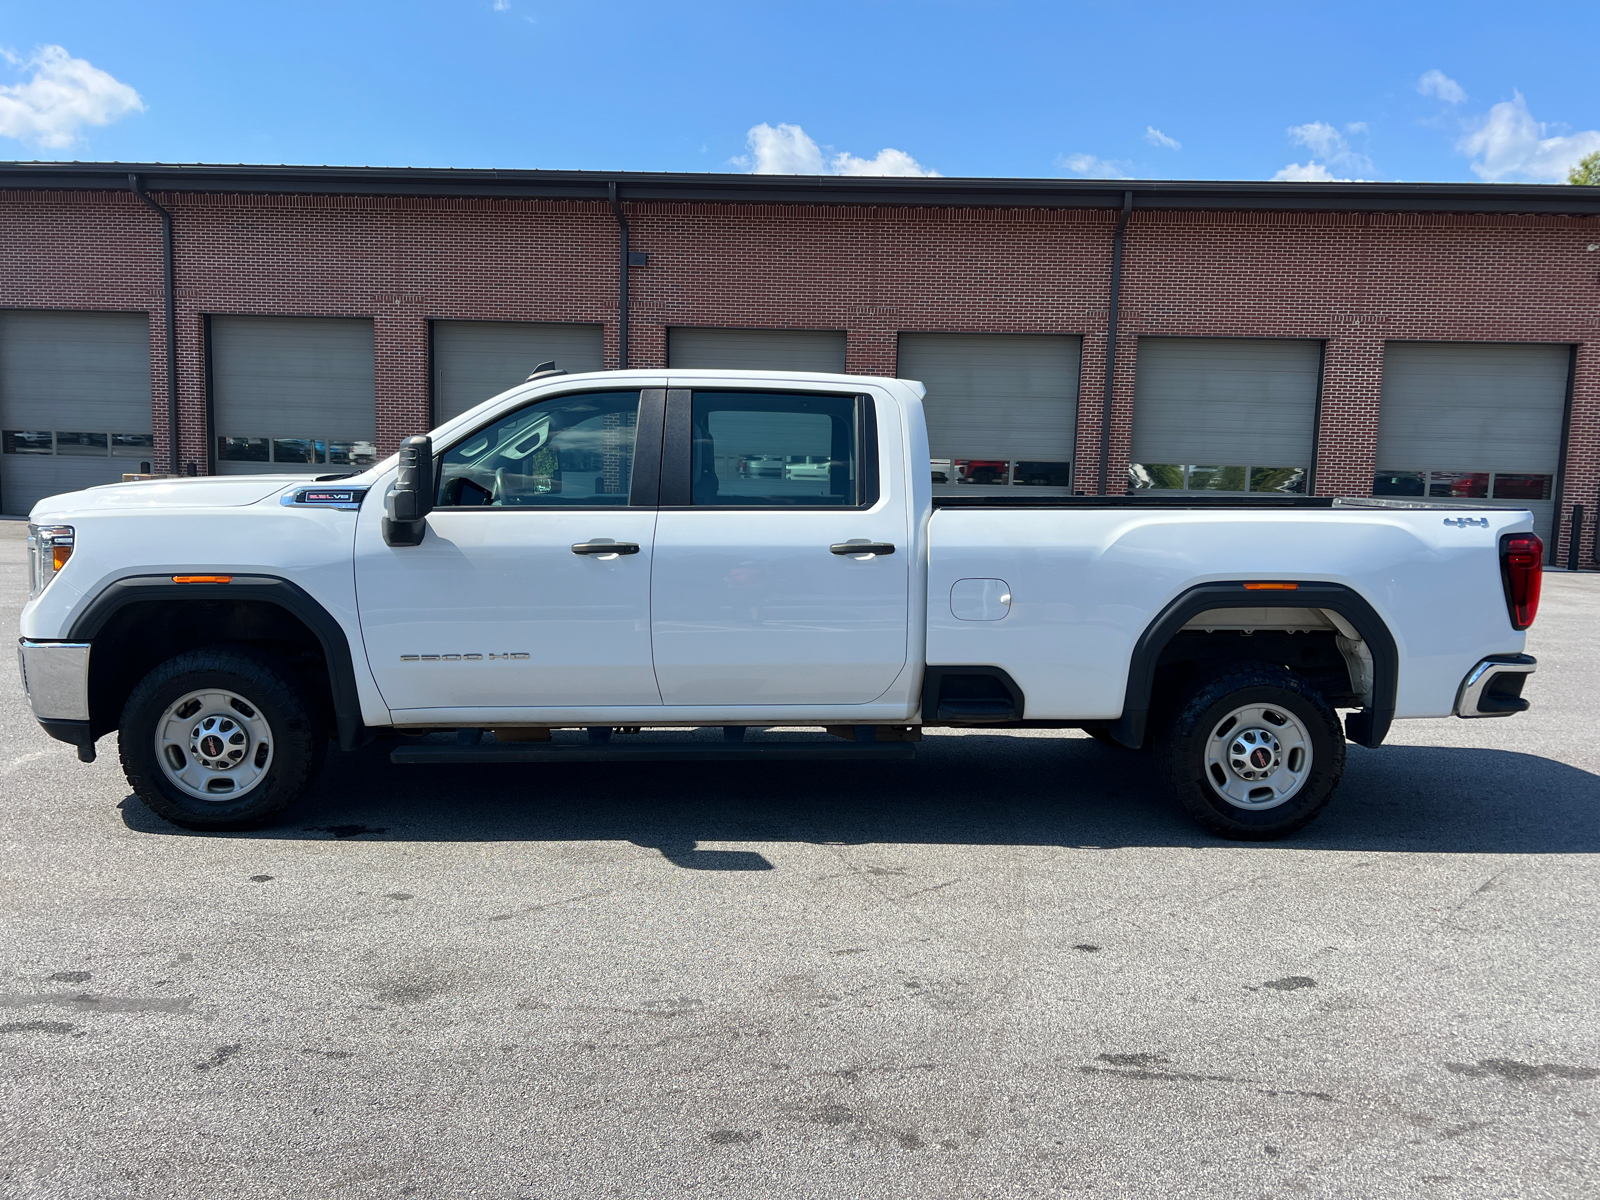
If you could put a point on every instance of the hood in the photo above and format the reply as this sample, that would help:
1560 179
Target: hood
206 491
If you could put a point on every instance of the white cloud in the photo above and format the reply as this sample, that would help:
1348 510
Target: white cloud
1333 147
1437 83
887 162
1312 172
1509 143
63 96
502 5
789 150
1156 138
1090 167
1320 137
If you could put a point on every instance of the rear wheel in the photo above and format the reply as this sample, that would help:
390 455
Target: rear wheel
1254 753
219 739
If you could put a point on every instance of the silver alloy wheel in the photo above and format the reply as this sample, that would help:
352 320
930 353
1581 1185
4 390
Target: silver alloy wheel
213 744
1258 756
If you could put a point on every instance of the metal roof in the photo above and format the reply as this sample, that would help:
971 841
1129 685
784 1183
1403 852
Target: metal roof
687 187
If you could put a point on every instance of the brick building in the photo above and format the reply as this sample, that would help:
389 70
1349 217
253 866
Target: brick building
1416 339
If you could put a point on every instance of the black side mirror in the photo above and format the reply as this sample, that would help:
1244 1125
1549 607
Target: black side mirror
411 500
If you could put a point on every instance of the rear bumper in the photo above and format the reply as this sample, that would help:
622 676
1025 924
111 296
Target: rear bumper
1493 688
55 675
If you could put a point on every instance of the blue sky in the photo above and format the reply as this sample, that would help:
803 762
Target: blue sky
1394 91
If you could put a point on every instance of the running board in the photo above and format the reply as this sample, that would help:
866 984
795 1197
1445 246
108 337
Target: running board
519 752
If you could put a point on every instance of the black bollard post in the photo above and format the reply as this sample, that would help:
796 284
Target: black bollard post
1577 537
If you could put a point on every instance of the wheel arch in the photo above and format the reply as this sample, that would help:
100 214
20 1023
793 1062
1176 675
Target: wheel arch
1366 727
174 617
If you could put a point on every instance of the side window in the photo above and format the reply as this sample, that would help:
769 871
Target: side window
780 449
569 451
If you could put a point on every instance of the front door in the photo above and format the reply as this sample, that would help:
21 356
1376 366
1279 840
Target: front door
755 600
514 599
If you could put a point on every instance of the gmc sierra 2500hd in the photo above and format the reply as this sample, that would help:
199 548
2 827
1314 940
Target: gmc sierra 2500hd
747 550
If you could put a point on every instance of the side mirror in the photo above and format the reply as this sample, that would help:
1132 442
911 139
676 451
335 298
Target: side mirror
411 499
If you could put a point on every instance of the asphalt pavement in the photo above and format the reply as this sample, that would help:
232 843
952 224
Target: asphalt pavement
1008 969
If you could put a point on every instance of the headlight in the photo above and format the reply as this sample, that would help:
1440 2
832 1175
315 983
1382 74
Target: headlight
49 548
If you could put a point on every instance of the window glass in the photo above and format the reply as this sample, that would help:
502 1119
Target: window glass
570 450
1216 479
1522 487
244 449
1042 474
28 441
1400 483
95 444
1162 476
297 450
1472 485
352 454
132 445
1286 480
771 448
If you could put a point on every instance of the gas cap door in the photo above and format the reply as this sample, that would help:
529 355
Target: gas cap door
980 599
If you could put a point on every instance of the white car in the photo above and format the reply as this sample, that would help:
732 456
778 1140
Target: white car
582 552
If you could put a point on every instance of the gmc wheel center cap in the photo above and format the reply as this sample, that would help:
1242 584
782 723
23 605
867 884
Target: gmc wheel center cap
1254 754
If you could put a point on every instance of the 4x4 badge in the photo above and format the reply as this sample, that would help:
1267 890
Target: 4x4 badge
1468 522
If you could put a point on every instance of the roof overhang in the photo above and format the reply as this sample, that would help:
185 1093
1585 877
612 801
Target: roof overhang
813 189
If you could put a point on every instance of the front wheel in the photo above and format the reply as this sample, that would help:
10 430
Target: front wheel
219 739
1255 753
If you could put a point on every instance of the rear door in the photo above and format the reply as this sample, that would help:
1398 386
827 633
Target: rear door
756 597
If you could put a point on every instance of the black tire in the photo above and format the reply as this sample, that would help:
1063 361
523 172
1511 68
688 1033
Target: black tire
1187 738
297 746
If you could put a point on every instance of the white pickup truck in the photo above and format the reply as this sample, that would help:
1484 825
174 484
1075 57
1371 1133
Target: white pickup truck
601 553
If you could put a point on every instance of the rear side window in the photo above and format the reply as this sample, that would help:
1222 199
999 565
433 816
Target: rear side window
778 449
571 451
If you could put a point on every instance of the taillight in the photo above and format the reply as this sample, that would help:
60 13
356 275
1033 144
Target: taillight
1522 571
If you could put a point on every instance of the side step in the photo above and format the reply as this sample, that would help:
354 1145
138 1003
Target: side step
730 751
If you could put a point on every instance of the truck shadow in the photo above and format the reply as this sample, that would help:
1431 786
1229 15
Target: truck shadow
968 790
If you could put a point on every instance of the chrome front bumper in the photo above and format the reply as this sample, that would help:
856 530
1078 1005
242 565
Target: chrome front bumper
1493 688
56 677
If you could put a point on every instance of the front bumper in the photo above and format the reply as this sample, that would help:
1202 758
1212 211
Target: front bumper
1493 688
55 675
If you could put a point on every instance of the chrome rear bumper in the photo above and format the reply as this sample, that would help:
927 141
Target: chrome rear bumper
1493 688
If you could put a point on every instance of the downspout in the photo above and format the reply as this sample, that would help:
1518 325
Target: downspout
1111 342
622 279
173 456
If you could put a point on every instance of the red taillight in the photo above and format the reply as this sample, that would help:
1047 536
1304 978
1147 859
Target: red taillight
1522 569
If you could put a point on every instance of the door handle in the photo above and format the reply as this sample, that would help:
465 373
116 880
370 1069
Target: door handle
605 548
862 548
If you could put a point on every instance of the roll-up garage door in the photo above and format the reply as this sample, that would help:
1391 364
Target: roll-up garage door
1224 414
757 349
1474 422
474 360
1002 408
293 394
74 402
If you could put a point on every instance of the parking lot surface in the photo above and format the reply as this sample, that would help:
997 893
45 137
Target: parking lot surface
1008 969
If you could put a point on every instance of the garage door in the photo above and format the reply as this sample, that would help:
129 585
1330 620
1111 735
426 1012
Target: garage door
1002 408
474 360
1224 414
1475 422
74 402
757 349
292 394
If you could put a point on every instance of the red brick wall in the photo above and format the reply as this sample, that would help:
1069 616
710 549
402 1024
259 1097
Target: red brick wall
1351 280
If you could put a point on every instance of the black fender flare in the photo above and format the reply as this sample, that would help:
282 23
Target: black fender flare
288 596
1368 727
